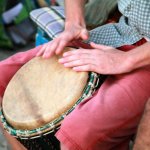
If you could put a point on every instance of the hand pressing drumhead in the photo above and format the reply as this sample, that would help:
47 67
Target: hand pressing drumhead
66 38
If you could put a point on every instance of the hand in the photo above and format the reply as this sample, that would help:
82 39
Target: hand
101 59
71 32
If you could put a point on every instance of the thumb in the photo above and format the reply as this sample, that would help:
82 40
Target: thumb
99 46
84 34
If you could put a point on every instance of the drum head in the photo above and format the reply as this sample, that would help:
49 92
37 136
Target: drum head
41 91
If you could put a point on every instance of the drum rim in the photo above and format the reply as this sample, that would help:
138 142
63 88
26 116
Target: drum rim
89 89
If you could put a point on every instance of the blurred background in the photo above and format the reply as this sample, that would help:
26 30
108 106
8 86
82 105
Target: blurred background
17 31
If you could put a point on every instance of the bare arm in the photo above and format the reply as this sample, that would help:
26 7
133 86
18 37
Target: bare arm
74 10
75 29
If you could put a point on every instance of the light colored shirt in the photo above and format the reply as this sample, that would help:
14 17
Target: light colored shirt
132 26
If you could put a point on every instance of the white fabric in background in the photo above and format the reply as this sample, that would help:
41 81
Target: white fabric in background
9 15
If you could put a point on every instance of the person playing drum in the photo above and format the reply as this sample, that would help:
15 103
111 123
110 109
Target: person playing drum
109 119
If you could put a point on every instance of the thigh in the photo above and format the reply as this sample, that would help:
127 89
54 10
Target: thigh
142 141
111 116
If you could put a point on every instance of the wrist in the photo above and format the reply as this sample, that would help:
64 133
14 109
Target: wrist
139 57
75 22
128 62
75 14
135 59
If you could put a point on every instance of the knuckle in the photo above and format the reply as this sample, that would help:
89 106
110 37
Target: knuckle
47 50
63 42
63 35
67 59
43 47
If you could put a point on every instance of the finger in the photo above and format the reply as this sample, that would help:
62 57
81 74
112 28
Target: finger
41 51
85 68
99 46
69 53
77 52
74 57
50 49
61 46
84 34
78 62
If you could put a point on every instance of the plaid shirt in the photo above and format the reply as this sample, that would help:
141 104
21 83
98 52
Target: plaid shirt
132 26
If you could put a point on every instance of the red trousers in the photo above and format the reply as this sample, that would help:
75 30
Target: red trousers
106 121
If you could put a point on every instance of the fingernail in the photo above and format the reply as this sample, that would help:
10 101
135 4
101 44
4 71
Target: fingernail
60 60
65 65
45 56
75 69
64 54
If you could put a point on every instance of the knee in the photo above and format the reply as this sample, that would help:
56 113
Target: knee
143 134
63 147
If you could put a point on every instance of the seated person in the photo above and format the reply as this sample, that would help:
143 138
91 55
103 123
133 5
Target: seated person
121 50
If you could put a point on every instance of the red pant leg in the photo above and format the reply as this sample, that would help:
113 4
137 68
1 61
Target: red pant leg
109 119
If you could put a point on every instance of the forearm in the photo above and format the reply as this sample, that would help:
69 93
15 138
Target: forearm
74 11
140 56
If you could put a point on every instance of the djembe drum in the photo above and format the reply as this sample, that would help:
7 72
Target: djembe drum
38 98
